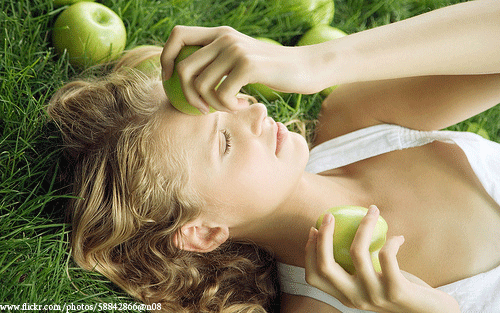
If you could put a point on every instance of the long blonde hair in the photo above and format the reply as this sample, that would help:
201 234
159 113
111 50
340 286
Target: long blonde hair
128 204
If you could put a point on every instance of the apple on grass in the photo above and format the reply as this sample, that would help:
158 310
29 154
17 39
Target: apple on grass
90 33
59 3
476 128
319 34
150 67
143 58
257 89
311 12
347 221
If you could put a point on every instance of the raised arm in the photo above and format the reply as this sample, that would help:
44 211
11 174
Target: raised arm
454 40
427 72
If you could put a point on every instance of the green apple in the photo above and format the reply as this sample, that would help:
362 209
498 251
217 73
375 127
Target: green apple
476 128
173 87
59 3
257 89
150 63
150 67
319 34
347 221
90 32
312 12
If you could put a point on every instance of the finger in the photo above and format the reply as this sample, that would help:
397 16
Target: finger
326 265
244 102
310 260
313 276
185 36
210 77
230 87
360 253
189 71
325 240
331 277
388 260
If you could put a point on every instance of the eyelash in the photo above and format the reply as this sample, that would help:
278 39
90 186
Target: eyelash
227 135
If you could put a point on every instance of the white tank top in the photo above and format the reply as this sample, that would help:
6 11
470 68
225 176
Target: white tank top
479 293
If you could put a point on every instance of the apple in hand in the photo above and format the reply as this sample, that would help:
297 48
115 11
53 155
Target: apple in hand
173 87
90 32
347 221
257 89
312 12
319 34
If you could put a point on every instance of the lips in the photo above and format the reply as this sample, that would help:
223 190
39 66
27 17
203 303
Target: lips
281 135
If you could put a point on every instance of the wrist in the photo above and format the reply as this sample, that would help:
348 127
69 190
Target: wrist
337 62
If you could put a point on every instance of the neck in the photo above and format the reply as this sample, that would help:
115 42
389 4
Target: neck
286 230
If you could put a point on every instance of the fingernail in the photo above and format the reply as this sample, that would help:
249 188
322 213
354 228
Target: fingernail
402 239
204 108
312 234
372 209
327 219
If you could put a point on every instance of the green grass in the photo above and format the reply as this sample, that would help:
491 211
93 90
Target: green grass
35 266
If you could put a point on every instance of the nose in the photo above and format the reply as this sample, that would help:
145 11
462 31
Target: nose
255 115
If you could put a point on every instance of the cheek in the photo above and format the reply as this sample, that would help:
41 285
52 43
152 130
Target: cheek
263 181
252 175
256 181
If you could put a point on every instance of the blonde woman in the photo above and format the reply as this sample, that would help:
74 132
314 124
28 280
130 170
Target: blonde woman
173 207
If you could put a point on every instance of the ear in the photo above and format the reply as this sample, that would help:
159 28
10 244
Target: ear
198 237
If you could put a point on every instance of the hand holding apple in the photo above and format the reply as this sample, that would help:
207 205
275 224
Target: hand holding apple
245 60
347 221
390 290
90 33
173 87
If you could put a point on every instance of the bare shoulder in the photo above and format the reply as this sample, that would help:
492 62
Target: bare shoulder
344 111
423 103
300 304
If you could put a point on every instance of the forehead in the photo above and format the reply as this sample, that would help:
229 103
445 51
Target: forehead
187 134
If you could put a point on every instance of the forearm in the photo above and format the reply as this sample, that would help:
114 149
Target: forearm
459 39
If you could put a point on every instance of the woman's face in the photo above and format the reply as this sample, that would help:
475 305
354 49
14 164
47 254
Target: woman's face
243 164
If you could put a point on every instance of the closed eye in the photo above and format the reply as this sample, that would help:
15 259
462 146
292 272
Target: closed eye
227 137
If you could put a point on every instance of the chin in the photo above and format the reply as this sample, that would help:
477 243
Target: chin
301 150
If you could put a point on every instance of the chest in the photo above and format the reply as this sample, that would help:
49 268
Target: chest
431 195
